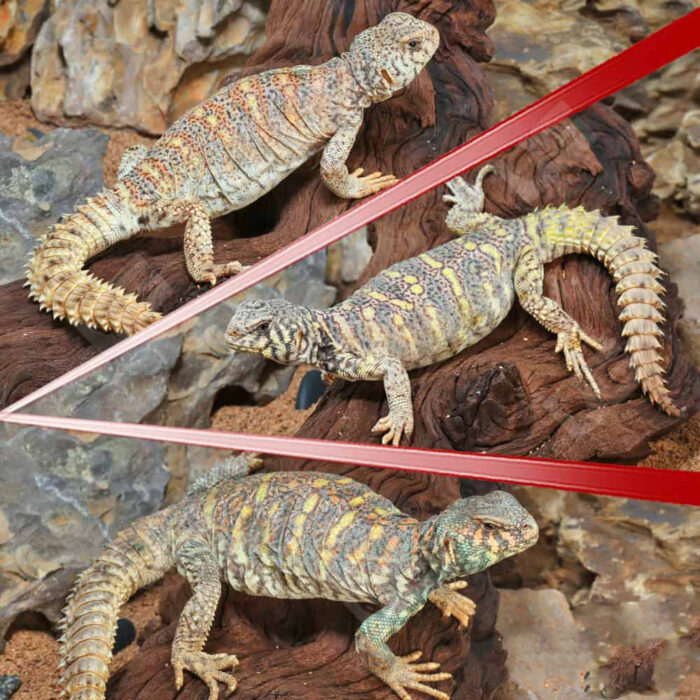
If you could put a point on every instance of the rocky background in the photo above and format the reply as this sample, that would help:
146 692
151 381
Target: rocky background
611 586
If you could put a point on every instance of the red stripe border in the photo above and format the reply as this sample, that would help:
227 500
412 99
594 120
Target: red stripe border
672 486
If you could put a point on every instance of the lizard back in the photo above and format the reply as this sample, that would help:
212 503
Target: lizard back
303 535
429 308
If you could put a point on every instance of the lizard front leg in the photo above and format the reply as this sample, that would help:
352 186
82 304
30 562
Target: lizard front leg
450 602
400 673
467 213
198 564
399 420
528 277
198 246
335 173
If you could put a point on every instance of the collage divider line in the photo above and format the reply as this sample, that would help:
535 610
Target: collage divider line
661 485
649 54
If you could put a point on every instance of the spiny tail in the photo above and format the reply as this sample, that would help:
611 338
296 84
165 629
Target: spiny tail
633 267
58 282
133 560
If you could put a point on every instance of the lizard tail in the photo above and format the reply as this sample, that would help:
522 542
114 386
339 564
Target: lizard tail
633 267
131 561
58 282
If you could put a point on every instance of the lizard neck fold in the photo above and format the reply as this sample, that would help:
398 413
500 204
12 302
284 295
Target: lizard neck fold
360 77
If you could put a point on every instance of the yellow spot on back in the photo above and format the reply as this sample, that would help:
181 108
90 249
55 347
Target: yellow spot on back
405 305
410 279
211 118
393 274
458 292
299 524
493 253
344 480
368 313
310 503
358 501
435 264
319 483
376 532
417 289
470 245
435 326
341 525
261 492
378 296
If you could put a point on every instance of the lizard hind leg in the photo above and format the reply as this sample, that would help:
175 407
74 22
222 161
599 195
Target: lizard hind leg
198 245
528 275
197 563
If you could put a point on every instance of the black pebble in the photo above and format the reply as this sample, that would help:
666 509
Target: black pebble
311 389
126 633
8 686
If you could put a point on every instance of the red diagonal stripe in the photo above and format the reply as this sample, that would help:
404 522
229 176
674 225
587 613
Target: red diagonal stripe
604 479
650 54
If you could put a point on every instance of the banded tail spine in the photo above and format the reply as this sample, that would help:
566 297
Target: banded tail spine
131 561
58 282
633 267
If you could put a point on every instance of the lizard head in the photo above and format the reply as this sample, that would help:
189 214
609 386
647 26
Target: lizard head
475 533
276 329
387 57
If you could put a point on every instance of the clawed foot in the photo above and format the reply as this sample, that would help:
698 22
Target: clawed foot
452 603
369 184
570 343
214 272
328 379
394 426
208 667
404 675
465 195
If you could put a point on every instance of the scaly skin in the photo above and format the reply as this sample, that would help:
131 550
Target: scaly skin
221 156
431 307
291 535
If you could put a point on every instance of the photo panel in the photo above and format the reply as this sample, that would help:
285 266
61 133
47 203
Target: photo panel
444 324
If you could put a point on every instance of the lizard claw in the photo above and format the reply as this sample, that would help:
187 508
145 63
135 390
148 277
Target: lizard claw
466 195
405 675
570 343
452 603
211 273
394 426
369 184
208 667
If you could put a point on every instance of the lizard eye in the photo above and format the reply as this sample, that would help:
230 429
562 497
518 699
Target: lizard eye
489 526
263 326
412 44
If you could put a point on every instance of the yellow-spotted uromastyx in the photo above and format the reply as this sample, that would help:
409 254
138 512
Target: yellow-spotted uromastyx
431 307
291 535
